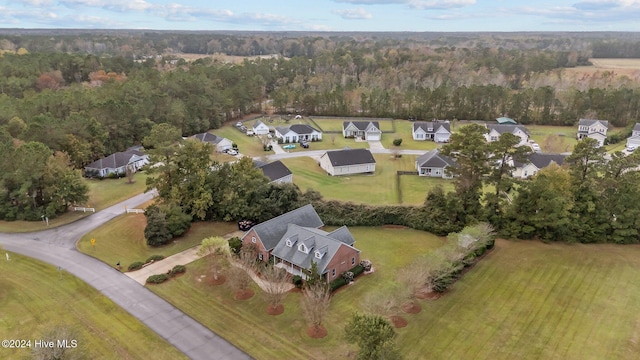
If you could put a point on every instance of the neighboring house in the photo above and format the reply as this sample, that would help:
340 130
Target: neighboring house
595 129
536 162
333 252
117 164
276 171
366 130
634 141
438 131
495 130
434 164
348 162
221 144
298 132
266 235
260 128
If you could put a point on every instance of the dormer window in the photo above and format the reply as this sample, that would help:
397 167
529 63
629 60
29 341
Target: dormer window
318 255
303 248
289 243
430 129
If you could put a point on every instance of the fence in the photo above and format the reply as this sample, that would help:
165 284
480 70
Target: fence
84 209
135 211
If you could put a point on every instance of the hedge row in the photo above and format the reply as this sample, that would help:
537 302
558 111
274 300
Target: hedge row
160 278
139 264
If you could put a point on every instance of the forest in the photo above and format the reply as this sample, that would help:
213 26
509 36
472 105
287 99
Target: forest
80 95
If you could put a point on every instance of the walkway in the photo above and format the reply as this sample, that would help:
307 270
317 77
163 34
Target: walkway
57 247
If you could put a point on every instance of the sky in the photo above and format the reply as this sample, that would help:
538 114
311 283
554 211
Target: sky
325 15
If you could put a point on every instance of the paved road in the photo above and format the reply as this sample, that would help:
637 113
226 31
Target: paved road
57 247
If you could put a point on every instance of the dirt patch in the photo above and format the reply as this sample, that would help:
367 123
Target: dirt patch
411 307
428 295
219 281
398 321
275 310
316 332
243 294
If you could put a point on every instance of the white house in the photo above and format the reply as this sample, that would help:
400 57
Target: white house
434 164
536 162
117 163
595 129
438 131
260 128
348 162
634 141
298 132
221 144
495 130
366 130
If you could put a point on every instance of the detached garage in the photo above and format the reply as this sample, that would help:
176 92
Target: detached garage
348 162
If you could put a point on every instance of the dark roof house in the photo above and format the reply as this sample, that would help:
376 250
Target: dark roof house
433 164
276 171
348 161
116 163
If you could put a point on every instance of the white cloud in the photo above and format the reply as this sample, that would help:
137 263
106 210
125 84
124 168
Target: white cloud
37 2
114 5
353 14
416 4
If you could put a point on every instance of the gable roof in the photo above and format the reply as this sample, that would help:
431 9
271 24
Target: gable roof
274 171
506 128
208 137
314 240
541 160
350 157
271 231
302 129
636 127
591 122
434 159
434 126
258 123
361 125
114 160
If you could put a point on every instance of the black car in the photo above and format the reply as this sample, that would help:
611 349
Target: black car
304 144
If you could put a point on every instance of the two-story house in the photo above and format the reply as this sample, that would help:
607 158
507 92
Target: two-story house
495 130
438 131
594 129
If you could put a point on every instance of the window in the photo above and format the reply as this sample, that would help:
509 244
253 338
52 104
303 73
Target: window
430 129
427 171
318 255
260 256
303 248
289 243
333 273
353 261
253 239
438 171
494 138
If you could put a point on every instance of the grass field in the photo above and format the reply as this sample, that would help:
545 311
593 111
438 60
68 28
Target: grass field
404 131
375 189
248 145
35 298
415 188
525 300
102 194
554 139
246 324
122 239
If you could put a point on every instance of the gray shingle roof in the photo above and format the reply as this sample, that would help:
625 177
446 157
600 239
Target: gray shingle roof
350 157
314 240
114 160
434 126
275 170
506 128
271 231
300 129
541 160
361 125
208 137
636 127
434 159
590 122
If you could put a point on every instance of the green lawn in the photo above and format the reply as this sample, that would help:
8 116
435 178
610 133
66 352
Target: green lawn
122 239
554 139
525 300
246 324
415 188
248 145
35 298
377 189
102 194
404 131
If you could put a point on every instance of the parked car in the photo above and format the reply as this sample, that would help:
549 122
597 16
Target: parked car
239 123
269 136
232 152
630 149
536 147
304 144
250 133
289 146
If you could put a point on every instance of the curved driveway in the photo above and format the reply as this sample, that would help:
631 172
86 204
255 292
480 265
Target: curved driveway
57 247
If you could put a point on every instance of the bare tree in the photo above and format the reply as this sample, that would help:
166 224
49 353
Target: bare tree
277 283
216 250
315 304
130 172
385 304
66 345
239 281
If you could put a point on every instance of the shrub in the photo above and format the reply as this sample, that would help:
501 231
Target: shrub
358 270
156 257
297 281
347 276
135 265
235 244
157 279
178 269
366 265
112 176
397 142
337 283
